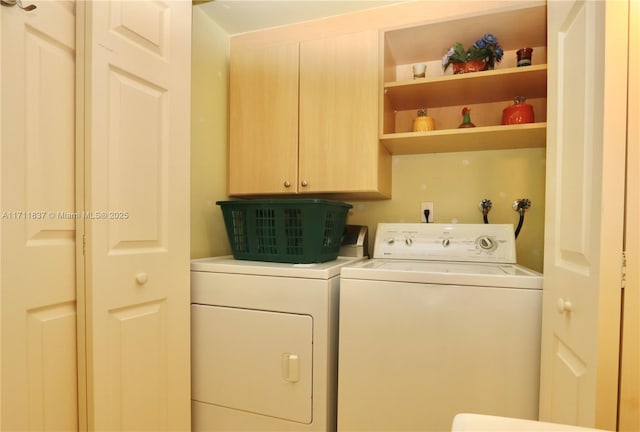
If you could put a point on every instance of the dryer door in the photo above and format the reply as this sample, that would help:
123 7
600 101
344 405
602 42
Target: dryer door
252 360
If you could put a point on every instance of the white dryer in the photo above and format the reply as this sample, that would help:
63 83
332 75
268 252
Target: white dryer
264 344
441 321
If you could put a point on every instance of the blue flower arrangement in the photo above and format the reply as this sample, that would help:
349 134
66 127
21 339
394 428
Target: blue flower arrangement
486 48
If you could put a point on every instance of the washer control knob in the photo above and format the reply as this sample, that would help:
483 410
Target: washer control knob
390 240
446 242
408 241
486 243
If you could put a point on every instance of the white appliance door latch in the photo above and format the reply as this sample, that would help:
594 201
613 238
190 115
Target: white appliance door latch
291 367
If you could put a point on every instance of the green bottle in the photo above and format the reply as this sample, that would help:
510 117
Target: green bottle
466 119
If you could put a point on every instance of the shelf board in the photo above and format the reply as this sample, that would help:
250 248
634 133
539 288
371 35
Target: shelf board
463 89
529 135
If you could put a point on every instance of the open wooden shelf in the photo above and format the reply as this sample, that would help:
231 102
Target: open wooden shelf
529 135
487 86
516 25
443 94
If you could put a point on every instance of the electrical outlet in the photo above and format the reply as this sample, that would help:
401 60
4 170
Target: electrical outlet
426 206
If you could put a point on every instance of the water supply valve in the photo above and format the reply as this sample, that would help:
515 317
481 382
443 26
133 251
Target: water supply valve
485 207
522 204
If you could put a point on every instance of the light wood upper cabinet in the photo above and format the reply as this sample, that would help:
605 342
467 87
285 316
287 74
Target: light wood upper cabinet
304 119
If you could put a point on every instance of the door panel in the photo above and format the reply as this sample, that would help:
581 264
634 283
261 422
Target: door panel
137 188
574 192
138 361
39 373
137 164
584 208
569 376
51 362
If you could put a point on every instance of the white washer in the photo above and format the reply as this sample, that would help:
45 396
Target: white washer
440 321
264 344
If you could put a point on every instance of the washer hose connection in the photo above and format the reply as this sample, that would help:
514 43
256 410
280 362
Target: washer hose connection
485 207
521 205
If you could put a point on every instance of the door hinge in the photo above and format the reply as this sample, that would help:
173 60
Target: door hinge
624 269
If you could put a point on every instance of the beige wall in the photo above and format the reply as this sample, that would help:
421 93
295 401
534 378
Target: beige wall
454 182
210 53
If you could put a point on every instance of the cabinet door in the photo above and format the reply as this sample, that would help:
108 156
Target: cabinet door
136 293
339 97
263 124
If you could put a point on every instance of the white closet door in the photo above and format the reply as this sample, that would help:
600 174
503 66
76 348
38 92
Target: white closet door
136 294
584 212
39 384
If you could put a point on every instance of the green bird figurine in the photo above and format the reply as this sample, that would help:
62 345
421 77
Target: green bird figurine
466 119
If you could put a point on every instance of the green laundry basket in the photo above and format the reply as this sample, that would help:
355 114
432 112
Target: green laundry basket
285 230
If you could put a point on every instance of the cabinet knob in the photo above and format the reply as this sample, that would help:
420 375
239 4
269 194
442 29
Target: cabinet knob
304 183
563 305
287 183
142 278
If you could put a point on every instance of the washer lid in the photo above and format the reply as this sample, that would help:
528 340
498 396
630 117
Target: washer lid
445 273
227 264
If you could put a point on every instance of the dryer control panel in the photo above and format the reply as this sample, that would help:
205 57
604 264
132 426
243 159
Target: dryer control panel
492 243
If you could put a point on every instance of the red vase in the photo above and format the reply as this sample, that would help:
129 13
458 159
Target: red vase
518 113
470 66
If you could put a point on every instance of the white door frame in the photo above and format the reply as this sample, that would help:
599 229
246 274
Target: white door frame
80 225
0 225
